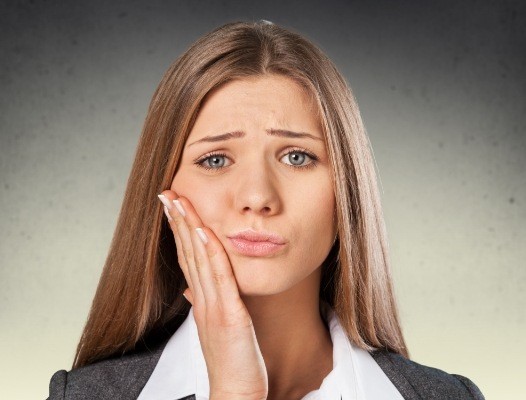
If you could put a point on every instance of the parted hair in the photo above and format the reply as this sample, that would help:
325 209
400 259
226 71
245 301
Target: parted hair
139 295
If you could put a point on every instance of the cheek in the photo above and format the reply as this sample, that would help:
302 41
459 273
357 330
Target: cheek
310 208
318 221
205 201
321 208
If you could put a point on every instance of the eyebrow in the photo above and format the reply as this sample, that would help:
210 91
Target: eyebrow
272 132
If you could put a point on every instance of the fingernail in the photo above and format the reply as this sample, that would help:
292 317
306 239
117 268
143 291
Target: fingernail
179 207
202 235
167 213
165 201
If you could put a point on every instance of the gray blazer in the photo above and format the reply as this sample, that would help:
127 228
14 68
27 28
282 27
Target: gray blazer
122 378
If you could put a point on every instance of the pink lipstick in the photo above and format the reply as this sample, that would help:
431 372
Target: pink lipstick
257 243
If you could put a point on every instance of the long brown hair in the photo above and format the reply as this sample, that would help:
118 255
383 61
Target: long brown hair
139 296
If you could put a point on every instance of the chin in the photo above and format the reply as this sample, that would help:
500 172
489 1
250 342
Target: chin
256 279
254 285
251 290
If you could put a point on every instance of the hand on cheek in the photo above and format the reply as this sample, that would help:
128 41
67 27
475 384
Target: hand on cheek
234 361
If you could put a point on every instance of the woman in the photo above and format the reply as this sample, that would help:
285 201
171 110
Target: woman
272 230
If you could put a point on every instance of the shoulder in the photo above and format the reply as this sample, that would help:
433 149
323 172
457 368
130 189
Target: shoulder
114 378
119 377
412 378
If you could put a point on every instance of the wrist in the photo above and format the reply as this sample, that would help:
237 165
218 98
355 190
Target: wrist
232 396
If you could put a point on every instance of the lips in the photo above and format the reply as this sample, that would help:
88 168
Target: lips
257 243
258 236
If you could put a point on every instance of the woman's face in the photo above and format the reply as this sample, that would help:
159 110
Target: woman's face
261 181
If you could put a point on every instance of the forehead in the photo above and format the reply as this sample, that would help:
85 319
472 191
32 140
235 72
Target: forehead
268 100
280 86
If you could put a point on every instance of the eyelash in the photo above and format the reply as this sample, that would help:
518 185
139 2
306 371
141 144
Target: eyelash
312 164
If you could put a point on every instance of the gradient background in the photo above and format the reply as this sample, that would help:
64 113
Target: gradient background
441 88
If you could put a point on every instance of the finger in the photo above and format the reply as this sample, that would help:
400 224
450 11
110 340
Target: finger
182 261
188 296
216 272
180 258
184 246
222 273
200 257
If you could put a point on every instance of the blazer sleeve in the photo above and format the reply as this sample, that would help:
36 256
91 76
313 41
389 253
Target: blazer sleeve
120 377
57 385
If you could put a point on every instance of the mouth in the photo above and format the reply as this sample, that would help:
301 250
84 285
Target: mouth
250 242
255 249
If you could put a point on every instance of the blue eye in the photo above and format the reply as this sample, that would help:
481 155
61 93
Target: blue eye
214 160
298 155
211 157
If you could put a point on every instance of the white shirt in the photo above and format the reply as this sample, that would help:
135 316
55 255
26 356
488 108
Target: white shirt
181 370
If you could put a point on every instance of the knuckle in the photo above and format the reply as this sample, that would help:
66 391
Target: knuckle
219 278
199 259
212 253
178 222
188 253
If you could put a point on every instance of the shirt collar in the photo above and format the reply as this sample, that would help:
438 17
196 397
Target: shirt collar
181 370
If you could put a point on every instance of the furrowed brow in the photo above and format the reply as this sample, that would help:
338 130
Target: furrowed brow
272 132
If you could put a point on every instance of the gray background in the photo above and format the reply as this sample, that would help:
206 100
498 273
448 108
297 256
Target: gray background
441 87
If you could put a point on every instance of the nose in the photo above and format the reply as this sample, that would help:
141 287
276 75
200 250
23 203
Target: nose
257 191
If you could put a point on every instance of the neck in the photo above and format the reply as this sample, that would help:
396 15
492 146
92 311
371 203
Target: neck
293 338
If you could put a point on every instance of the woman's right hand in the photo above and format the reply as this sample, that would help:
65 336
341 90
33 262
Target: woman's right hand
235 365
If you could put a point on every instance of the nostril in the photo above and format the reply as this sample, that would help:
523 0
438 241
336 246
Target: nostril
264 210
